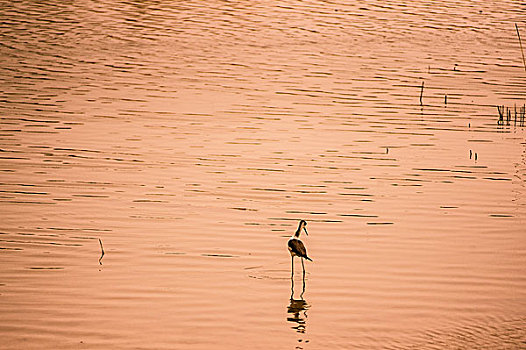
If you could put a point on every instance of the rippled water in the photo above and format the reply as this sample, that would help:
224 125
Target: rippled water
190 137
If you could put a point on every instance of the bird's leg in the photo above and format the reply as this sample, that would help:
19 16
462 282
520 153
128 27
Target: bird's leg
303 267
303 290
291 288
292 264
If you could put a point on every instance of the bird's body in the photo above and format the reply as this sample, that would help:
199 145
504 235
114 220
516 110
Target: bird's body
296 246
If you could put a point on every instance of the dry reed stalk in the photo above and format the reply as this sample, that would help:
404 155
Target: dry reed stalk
506 114
520 43
501 115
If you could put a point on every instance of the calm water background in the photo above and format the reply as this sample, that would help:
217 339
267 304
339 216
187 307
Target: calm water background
191 136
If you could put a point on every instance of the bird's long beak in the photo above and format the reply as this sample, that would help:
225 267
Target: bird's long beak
306 231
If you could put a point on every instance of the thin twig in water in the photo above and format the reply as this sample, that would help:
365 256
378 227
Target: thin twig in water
421 92
520 43
102 249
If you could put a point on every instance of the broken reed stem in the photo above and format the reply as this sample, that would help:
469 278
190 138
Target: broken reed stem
421 93
102 249
520 43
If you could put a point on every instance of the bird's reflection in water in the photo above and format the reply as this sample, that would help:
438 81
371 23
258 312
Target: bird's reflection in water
297 310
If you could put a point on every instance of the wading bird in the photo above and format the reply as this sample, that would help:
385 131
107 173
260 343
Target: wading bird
296 247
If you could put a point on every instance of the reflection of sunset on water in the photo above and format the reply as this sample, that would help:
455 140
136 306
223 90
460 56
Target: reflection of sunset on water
157 156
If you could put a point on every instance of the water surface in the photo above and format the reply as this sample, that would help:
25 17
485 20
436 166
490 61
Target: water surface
190 137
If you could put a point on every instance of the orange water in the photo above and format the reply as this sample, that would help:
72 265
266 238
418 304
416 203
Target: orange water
190 137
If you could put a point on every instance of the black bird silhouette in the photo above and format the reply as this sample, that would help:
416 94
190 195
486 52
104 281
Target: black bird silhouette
296 246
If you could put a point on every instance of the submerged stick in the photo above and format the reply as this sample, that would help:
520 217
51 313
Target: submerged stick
102 249
520 43
421 92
